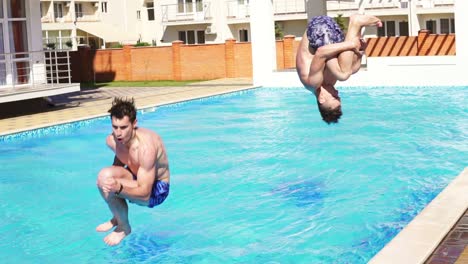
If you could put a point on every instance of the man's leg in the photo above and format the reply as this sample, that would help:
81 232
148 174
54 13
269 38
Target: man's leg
325 54
118 206
347 60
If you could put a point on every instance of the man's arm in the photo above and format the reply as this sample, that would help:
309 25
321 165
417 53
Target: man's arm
146 176
323 55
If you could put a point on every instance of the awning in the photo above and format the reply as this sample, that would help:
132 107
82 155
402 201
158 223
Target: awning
107 32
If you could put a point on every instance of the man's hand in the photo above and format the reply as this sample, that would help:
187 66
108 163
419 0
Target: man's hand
108 184
363 44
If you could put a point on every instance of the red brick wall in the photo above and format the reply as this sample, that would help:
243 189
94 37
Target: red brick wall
202 62
228 60
424 44
243 60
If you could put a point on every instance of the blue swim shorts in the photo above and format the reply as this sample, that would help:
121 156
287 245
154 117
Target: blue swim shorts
323 30
159 192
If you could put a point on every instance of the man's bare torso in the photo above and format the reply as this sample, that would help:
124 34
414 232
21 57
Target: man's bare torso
146 142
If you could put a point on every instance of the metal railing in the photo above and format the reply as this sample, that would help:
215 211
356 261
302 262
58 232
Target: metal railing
280 7
35 69
196 11
289 7
236 10
390 4
69 17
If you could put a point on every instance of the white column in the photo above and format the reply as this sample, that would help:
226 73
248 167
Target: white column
413 20
316 8
263 42
461 33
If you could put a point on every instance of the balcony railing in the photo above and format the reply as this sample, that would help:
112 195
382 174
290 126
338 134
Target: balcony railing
284 7
236 10
69 17
59 43
197 11
391 4
367 4
34 69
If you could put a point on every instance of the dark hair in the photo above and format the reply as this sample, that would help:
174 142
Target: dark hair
123 107
330 115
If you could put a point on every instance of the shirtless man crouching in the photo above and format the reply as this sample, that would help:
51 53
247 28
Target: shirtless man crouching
140 172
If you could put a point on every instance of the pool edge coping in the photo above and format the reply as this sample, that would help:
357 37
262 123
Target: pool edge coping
140 108
421 237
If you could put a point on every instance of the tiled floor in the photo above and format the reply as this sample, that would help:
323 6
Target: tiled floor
453 249
93 103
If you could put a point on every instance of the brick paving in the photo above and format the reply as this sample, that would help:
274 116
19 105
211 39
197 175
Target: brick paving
453 248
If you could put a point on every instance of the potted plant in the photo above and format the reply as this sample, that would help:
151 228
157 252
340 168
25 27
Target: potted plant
50 46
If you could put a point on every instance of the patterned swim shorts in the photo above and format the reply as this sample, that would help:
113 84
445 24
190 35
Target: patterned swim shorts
323 30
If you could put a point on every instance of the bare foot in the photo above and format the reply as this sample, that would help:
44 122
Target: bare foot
115 237
104 227
365 20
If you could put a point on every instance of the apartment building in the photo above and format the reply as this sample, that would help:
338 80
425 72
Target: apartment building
105 23
67 24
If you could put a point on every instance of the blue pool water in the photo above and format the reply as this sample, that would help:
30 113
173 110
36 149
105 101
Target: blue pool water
257 177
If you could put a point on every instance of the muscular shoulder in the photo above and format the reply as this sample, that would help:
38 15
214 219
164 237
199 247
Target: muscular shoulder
110 142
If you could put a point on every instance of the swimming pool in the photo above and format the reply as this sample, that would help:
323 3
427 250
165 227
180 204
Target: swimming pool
256 177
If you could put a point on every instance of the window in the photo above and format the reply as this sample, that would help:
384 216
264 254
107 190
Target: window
192 36
404 28
201 37
150 9
14 39
185 6
182 36
391 29
58 10
138 14
104 7
381 30
431 25
243 2
199 5
452 23
243 35
444 26
78 10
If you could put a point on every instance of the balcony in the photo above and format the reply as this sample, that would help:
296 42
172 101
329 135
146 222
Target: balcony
27 75
289 9
435 6
188 13
69 18
283 10
237 12
378 8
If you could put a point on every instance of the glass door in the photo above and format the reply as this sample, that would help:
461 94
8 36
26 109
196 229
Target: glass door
15 67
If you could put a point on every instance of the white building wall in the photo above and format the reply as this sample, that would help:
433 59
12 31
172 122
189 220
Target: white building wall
34 28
